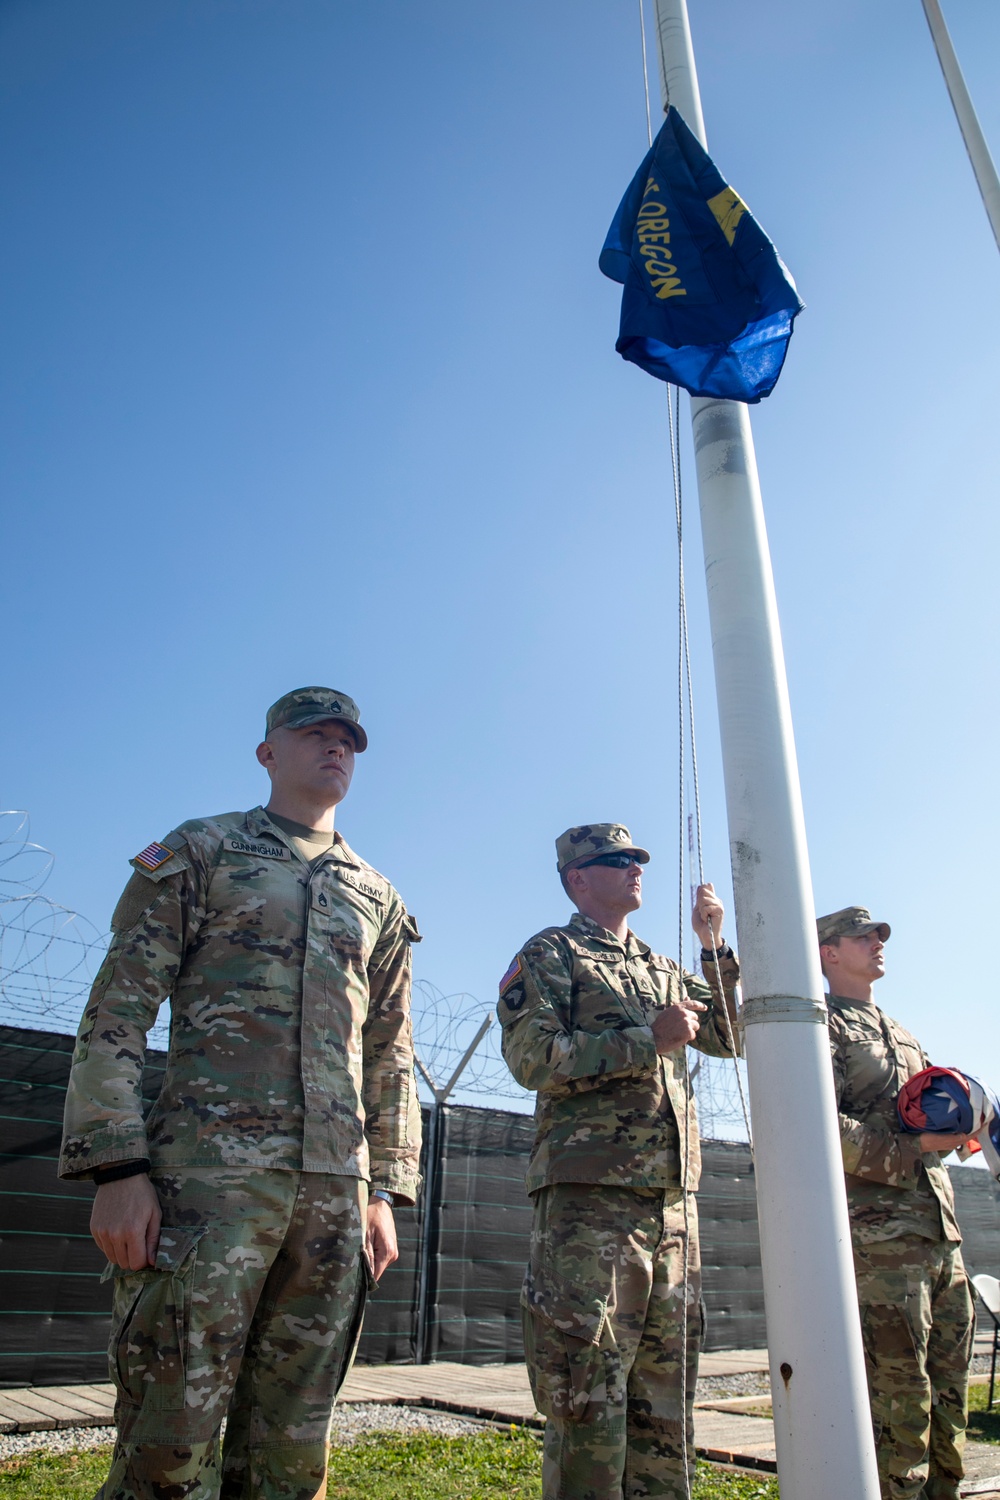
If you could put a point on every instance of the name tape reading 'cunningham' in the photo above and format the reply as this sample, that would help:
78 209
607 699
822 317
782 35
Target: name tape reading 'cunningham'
250 846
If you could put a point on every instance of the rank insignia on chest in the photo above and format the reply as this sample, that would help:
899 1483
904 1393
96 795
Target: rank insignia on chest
153 856
511 974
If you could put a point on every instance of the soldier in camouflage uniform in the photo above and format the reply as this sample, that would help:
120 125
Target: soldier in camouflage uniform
916 1308
598 1024
244 1220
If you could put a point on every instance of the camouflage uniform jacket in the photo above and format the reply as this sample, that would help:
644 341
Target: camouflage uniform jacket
576 1006
290 1041
892 1187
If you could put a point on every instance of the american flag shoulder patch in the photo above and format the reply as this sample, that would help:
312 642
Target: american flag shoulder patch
153 856
511 974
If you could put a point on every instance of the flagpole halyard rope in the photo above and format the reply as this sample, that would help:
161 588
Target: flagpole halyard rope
645 70
686 737
674 425
688 1087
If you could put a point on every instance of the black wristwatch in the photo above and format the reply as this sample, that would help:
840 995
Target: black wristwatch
708 957
385 1197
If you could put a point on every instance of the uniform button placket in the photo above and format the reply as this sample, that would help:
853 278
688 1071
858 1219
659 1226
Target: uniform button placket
311 1042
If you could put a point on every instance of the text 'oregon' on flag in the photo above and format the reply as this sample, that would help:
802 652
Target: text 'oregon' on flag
707 302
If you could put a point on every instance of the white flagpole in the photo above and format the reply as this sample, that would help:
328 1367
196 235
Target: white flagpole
968 123
822 1421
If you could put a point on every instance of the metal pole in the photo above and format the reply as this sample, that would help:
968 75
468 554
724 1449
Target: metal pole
484 1028
968 124
822 1421
430 1186
430 1228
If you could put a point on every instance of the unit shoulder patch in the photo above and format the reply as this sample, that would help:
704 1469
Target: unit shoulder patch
237 844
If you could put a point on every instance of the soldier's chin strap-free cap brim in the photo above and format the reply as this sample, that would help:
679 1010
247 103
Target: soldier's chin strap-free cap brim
360 738
589 840
316 705
850 921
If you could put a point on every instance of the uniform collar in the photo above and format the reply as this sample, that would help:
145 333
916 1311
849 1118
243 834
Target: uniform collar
258 822
587 927
863 1007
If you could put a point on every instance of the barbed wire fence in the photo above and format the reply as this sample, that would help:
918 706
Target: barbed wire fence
457 1042
49 956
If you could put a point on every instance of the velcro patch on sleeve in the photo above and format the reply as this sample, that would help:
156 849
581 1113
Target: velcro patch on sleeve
153 856
511 974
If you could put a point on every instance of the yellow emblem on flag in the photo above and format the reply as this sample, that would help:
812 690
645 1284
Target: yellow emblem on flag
728 208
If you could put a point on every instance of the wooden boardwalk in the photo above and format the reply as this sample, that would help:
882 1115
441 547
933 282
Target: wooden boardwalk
493 1393
496 1393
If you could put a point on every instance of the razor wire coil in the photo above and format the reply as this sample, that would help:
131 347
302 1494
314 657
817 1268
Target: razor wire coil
50 955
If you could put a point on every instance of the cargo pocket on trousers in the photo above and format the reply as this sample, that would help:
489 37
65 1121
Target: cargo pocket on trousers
149 1328
572 1357
886 1334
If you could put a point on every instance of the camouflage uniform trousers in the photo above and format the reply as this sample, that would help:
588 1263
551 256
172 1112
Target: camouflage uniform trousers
917 1324
606 1325
252 1312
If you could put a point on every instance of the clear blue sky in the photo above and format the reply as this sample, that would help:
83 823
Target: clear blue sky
309 376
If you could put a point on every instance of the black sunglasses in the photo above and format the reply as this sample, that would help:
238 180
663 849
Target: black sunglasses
615 861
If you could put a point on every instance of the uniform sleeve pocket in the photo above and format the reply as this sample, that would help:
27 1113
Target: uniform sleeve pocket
149 1329
393 1110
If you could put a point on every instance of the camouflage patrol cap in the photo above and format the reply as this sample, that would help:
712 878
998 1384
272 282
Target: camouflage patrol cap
591 839
311 705
852 921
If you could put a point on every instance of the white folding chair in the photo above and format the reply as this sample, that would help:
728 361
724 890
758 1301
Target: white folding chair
988 1291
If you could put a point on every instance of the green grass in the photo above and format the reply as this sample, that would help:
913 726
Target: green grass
984 1426
422 1466
715 1484
54 1476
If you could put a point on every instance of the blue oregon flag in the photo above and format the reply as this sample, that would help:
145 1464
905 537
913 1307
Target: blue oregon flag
707 303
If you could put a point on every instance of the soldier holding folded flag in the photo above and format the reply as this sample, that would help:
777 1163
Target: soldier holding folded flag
916 1306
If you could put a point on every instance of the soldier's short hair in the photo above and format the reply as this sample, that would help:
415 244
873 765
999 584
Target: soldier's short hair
829 942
